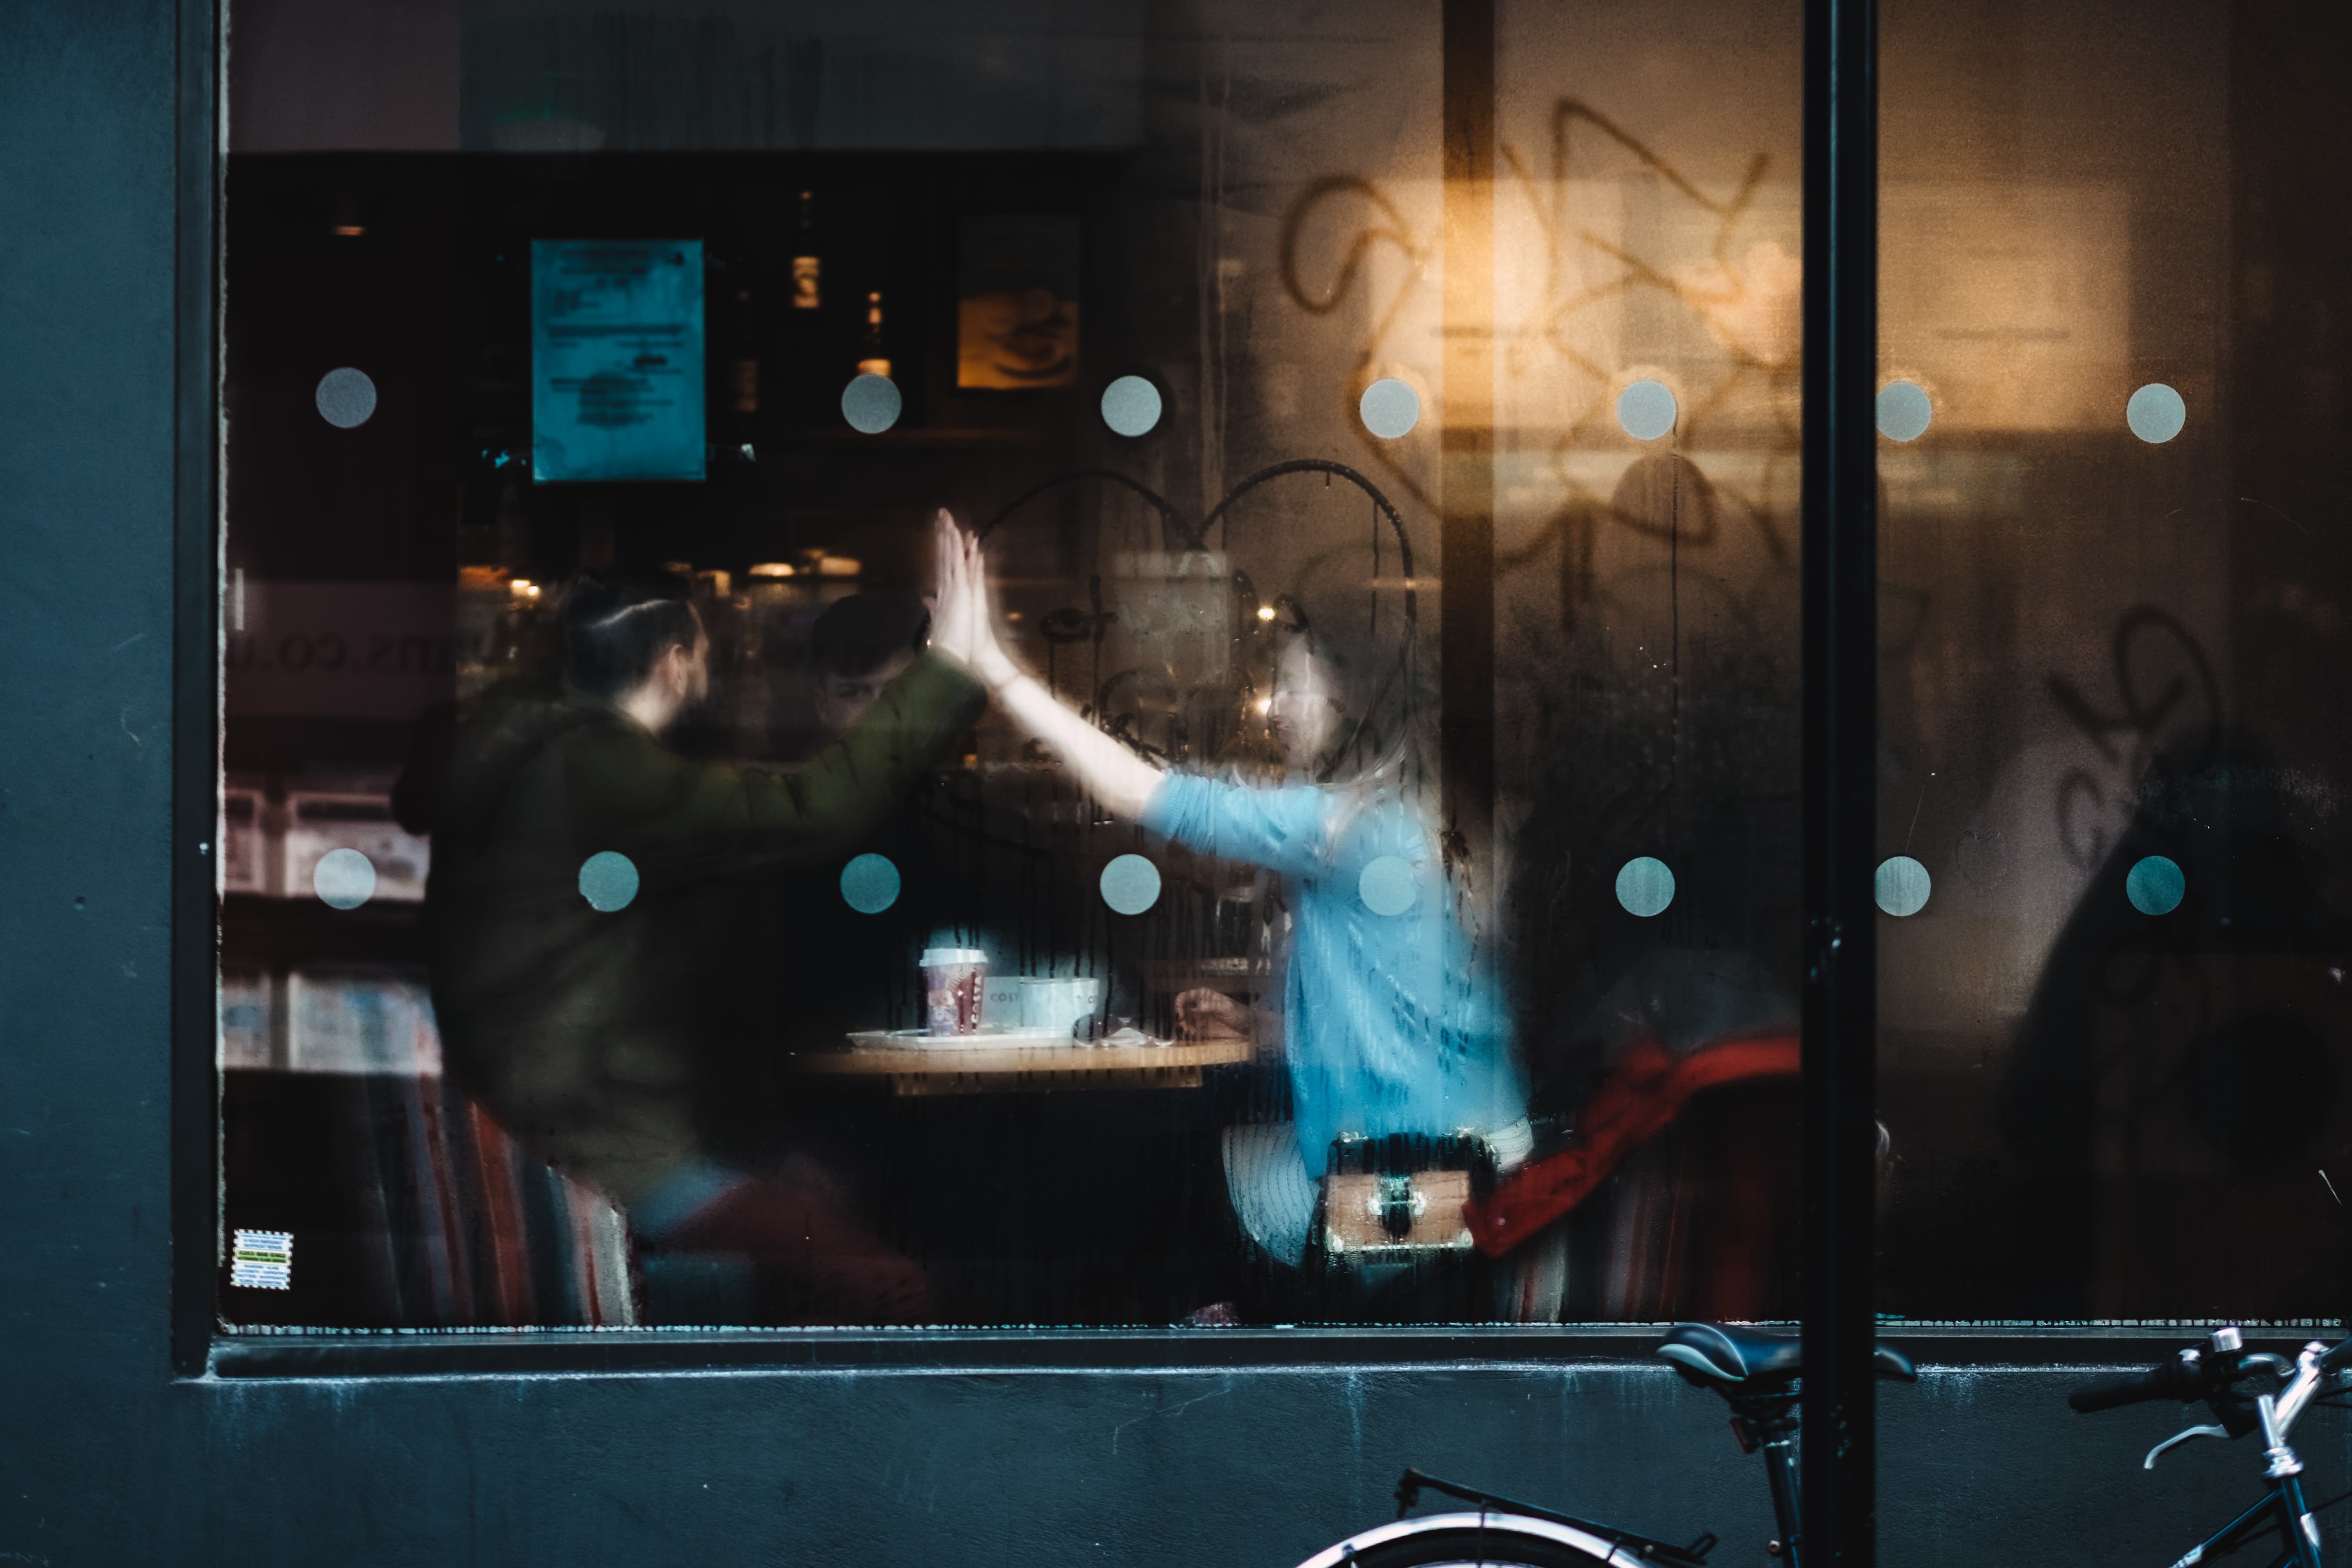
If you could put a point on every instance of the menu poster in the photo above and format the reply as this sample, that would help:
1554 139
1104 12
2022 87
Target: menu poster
1017 308
617 359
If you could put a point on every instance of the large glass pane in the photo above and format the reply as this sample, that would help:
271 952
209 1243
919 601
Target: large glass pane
1377 901
2113 992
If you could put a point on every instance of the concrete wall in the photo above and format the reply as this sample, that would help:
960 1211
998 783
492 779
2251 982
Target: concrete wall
106 1457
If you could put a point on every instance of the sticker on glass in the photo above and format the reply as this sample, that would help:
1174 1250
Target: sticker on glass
869 884
608 880
1646 410
1131 405
2156 413
1901 886
345 397
1389 408
262 1261
1130 884
2156 884
1904 411
871 404
1645 885
344 878
1388 886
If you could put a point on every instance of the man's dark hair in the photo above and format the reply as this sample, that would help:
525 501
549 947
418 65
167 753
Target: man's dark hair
616 625
859 635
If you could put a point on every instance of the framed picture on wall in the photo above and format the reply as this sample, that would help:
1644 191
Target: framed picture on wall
1017 303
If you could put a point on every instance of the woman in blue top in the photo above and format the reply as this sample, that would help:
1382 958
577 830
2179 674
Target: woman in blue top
1388 1026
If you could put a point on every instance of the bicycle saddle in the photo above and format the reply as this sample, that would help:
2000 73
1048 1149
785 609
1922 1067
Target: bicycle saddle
1722 1357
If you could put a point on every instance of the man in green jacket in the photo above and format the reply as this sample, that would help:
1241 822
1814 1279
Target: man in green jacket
588 884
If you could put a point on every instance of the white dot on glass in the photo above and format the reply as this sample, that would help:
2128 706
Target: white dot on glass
2156 884
1646 410
1388 886
344 878
1904 411
1901 886
871 404
1130 884
2156 413
1389 408
345 397
1645 885
869 884
608 880
1131 405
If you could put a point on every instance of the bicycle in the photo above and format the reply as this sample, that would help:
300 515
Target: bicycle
2246 1391
1757 1373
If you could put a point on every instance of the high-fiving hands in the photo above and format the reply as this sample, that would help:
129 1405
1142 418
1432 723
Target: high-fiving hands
954 624
963 629
962 626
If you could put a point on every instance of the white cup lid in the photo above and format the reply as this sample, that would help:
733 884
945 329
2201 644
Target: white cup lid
939 957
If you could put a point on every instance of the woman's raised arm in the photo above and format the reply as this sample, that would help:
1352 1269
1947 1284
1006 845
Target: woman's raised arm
1114 775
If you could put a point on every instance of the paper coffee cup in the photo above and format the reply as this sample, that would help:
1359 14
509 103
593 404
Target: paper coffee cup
1000 1002
1059 1005
953 978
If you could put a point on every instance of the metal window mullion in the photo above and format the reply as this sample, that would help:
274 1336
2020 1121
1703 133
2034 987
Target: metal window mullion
195 685
1839 738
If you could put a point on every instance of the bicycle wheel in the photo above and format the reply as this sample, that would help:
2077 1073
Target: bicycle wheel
1462 1540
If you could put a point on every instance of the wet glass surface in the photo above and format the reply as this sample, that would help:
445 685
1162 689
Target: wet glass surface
1423 530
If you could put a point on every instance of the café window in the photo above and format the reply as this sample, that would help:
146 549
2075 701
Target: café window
1311 835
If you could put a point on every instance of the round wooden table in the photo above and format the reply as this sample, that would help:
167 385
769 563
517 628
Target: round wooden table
1019 1064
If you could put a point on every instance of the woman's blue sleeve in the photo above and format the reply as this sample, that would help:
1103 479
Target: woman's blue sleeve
1278 827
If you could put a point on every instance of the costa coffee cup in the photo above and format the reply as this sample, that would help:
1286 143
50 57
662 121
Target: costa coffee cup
1059 1005
952 981
1000 1002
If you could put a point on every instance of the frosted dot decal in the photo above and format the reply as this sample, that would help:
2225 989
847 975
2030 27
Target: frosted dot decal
346 397
344 878
1646 410
869 884
1901 886
1388 886
1130 884
2156 413
871 404
1904 411
1645 885
1389 408
2155 886
608 880
1131 405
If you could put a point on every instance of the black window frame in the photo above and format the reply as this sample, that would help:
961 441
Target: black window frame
1839 645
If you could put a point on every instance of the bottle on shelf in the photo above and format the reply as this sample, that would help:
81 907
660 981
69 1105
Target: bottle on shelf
874 357
808 263
743 351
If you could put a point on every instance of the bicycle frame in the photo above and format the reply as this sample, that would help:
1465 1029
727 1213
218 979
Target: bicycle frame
1600 1548
1768 1421
1617 1543
2284 1506
1775 1431
1758 1374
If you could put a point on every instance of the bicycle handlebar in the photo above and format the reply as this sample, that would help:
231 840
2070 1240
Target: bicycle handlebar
2212 1373
2182 1380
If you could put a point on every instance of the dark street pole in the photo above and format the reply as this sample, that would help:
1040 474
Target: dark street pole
1466 545
1841 745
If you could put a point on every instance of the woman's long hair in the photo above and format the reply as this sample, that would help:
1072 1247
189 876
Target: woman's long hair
1378 751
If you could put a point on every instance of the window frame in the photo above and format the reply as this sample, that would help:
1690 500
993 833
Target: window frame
1839 738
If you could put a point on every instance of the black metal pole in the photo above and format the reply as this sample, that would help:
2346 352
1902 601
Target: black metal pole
1466 545
1841 746
195 693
